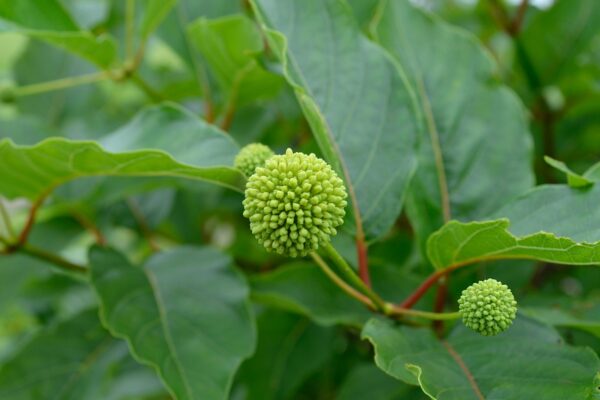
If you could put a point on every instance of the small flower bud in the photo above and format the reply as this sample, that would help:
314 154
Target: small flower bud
294 203
252 156
487 307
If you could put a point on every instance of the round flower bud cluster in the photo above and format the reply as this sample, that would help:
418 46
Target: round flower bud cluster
294 203
487 307
252 156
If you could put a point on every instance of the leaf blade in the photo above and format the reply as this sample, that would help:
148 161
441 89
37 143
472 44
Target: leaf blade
348 87
201 152
153 308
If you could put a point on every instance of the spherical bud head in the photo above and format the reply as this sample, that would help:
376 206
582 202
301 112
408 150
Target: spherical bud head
294 203
252 156
487 307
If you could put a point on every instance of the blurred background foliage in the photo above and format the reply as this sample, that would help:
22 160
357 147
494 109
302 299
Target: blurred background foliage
209 56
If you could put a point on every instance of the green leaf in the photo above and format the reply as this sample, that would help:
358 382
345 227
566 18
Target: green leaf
562 318
558 209
76 359
48 21
475 151
185 313
154 12
276 372
230 46
368 382
357 101
573 179
574 25
200 151
529 361
593 173
303 288
458 243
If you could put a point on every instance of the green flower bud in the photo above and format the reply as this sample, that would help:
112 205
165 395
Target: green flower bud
487 307
252 156
294 203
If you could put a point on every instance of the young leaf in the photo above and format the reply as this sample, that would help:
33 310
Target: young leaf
185 313
475 150
201 151
48 21
573 179
458 243
229 45
355 98
528 361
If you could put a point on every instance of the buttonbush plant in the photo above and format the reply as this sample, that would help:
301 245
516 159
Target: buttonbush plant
292 199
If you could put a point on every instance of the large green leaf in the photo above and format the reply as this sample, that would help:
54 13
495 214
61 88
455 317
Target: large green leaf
529 361
573 24
185 312
276 371
230 46
558 209
48 20
368 382
181 146
356 99
76 359
458 243
475 151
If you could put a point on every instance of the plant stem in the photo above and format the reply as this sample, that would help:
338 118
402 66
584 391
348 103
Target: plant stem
352 277
340 282
7 222
396 310
129 28
30 220
52 258
59 84
146 88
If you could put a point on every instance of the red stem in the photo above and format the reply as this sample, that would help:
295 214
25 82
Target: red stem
30 220
421 290
363 261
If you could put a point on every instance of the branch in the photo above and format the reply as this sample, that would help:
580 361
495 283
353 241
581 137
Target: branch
353 278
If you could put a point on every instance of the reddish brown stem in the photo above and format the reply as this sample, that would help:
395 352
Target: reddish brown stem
515 26
421 290
30 221
363 261
91 227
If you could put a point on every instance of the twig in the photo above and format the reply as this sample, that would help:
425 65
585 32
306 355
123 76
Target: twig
146 88
91 227
52 258
141 220
7 222
59 84
340 282
30 221
129 27
352 277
